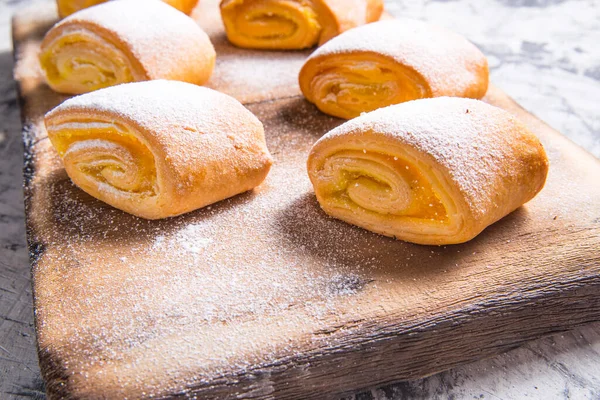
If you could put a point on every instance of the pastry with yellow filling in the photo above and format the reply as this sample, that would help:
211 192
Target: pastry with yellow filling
68 7
119 42
390 62
293 24
160 148
431 171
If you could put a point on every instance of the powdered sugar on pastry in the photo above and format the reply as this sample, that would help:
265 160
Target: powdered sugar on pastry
167 147
158 43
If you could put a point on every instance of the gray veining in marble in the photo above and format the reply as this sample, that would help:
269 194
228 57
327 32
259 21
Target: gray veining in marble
544 53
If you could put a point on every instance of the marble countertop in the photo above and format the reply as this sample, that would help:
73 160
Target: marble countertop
544 53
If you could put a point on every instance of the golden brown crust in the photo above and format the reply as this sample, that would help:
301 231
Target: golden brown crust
160 148
389 62
159 43
432 171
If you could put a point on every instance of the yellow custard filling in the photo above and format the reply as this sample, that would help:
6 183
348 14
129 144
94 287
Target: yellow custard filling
271 24
80 62
346 86
107 153
382 184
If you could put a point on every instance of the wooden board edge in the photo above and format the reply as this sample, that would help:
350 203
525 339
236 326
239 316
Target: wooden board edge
34 247
350 365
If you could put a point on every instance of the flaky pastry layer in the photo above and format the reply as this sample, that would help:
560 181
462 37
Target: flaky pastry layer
104 46
390 62
160 148
348 85
293 24
432 171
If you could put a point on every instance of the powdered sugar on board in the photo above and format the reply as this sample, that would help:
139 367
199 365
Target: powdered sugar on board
251 76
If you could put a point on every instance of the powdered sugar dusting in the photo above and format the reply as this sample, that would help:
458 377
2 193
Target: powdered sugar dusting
250 75
189 239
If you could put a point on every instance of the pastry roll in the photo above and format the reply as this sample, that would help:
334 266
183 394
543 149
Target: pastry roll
68 7
293 24
432 171
124 41
160 148
390 62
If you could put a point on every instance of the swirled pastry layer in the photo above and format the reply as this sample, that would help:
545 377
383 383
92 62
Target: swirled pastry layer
160 148
119 42
432 171
68 7
293 24
390 62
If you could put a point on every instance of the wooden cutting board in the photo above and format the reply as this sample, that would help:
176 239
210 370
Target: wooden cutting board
263 296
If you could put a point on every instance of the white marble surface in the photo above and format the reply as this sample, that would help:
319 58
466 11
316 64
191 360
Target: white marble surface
544 53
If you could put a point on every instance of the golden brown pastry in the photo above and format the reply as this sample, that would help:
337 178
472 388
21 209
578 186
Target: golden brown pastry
68 7
432 171
119 42
160 148
390 62
293 24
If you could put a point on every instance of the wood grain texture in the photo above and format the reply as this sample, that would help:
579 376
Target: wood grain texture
263 296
